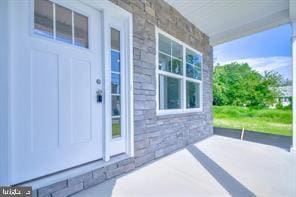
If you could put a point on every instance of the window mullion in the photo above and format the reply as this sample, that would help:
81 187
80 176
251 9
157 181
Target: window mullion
171 56
184 80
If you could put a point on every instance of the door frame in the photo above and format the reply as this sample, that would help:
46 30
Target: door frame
120 19
108 10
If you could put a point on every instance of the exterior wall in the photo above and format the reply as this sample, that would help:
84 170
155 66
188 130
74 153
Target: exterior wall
155 136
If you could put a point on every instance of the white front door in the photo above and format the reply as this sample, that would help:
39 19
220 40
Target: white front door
57 59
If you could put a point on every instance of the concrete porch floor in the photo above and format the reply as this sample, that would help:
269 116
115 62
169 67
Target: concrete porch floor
217 166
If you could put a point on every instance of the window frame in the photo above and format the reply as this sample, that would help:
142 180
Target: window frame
34 33
182 77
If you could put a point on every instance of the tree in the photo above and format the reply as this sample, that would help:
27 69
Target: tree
239 85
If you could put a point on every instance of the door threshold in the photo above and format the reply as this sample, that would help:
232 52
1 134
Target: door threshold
72 172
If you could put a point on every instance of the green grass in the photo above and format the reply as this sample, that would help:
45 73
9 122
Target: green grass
115 129
274 121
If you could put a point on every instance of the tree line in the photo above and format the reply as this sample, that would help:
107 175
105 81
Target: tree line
239 85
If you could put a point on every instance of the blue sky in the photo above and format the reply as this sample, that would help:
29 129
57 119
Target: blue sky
268 50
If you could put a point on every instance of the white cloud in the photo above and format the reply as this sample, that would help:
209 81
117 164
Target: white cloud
280 64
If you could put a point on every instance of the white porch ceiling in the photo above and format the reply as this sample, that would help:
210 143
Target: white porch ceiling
226 20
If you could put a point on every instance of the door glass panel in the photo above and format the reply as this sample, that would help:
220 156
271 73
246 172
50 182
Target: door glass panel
116 130
115 105
63 24
43 18
115 39
80 30
115 61
115 80
169 92
115 83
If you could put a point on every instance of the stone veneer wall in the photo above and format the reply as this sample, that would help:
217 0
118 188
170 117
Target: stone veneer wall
155 136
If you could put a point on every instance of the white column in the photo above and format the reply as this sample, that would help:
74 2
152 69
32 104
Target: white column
292 15
293 148
4 89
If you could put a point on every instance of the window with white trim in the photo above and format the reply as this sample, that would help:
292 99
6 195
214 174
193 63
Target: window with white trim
179 76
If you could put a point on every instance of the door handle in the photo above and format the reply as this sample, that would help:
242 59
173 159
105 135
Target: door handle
99 96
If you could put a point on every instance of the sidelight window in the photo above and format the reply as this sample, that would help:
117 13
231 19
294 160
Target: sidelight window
115 83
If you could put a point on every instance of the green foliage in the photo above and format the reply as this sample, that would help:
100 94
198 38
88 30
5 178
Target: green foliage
275 121
238 85
279 105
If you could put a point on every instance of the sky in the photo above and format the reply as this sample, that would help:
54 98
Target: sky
264 51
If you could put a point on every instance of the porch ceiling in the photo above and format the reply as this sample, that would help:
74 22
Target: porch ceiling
226 20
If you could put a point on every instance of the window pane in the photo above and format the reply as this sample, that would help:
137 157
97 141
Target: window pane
164 62
81 30
115 61
63 24
177 50
115 83
192 57
169 93
115 105
115 39
164 44
192 95
193 71
116 127
43 17
177 66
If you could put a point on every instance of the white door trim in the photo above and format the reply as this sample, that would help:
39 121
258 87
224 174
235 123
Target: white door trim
111 11
106 8
122 20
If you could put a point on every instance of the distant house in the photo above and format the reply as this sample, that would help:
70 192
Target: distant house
286 93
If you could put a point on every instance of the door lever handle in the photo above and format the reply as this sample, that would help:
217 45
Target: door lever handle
99 96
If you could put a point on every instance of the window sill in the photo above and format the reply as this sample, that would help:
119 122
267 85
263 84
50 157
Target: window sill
178 111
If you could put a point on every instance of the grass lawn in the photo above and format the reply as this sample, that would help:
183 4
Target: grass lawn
116 129
275 121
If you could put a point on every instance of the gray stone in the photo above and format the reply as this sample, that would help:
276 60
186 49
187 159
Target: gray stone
129 167
68 191
115 172
125 162
52 188
79 179
159 153
98 173
144 159
99 179
111 167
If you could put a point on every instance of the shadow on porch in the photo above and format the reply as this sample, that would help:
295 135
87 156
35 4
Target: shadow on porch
218 165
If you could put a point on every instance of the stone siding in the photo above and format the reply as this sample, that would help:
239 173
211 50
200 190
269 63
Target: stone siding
155 136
